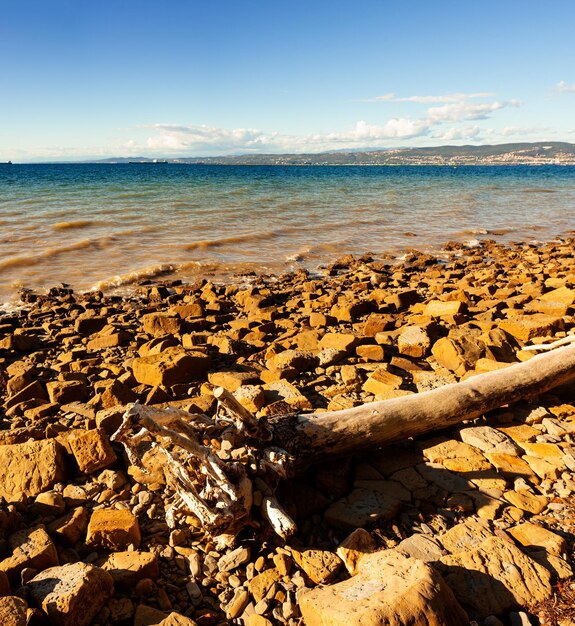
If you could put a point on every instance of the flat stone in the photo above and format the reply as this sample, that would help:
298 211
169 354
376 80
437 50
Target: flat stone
284 390
321 566
495 577
111 340
441 308
534 536
465 536
527 501
71 594
390 488
489 481
520 432
420 547
410 478
524 327
488 439
381 382
27 469
510 465
30 548
91 449
233 559
113 529
66 391
341 341
370 352
232 380
460 454
389 589
170 367
300 360
361 508
448 481
545 468
127 568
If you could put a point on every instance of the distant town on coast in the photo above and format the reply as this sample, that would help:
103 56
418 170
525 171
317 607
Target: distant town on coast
539 153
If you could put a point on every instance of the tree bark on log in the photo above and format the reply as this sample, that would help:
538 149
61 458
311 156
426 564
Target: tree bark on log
215 483
315 437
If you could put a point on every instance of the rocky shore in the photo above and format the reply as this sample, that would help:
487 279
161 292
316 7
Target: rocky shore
472 524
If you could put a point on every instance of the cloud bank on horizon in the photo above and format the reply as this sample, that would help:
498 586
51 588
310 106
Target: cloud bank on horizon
456 118
437 123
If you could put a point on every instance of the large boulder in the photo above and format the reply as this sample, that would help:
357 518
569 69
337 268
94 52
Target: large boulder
496 577
389 589
27 469
72 594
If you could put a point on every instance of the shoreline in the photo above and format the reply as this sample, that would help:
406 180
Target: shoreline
245 273
365 330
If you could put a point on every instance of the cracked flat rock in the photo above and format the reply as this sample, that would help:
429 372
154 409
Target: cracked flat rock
360 508
72 594
27 469
488 439
389 589
495 577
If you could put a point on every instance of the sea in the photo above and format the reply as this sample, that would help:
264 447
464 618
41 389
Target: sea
112 226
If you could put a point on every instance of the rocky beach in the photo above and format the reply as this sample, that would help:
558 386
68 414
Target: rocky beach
472 524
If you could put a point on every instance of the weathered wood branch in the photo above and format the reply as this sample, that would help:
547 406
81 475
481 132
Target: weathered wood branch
217 488
310 438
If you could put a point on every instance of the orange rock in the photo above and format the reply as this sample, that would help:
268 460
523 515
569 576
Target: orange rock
173 366
113 529
91 449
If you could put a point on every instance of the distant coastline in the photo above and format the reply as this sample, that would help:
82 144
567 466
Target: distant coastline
539 153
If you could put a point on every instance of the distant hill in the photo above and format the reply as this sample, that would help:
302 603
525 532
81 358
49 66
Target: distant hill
540 153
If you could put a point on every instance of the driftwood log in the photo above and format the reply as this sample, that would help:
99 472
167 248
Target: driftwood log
216 466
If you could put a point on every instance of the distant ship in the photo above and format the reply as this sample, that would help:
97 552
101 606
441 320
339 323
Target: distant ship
154 162
6 163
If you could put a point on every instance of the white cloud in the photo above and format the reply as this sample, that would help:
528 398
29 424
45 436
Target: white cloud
455 117
436 122
175 138
178 139
462 133
465 111
563 87
452 97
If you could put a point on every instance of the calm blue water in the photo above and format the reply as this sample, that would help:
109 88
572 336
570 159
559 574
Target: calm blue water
108 225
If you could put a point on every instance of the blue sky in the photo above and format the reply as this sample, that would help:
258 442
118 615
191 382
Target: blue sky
196 77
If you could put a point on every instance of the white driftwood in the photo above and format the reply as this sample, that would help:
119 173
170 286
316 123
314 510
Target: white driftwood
217 490
320 436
